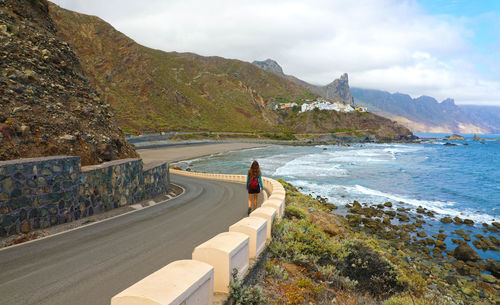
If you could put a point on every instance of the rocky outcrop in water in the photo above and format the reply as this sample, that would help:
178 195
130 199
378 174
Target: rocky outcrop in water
47 106
456 137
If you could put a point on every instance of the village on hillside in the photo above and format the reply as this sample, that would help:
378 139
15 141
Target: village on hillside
320 104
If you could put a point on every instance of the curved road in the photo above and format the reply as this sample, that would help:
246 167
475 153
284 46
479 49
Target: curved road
92 264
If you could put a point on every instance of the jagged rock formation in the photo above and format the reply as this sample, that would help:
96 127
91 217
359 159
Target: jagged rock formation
422 114
338 90
269 65
47 106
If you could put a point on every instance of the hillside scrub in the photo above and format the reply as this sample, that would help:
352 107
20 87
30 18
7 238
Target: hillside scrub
313 261
152 91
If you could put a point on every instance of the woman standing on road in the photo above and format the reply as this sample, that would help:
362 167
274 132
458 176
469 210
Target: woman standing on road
254 185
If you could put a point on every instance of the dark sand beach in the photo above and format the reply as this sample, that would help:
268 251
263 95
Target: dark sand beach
190 151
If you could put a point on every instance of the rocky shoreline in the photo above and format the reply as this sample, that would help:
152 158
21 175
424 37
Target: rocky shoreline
148 142
371 255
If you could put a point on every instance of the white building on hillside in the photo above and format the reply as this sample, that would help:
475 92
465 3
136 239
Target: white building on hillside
323 105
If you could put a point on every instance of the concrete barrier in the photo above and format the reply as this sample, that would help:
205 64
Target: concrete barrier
192 282
279 197
184 282
256 229
278 191
225 252
276 204
267 213
276 195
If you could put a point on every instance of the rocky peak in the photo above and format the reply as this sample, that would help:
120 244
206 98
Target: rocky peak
270 66
47 106
448 102
339 90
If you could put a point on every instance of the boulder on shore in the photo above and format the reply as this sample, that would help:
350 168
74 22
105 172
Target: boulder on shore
446 220
465 253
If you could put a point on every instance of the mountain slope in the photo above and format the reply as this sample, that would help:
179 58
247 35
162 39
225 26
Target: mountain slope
489 116
423 114
152 90
47 105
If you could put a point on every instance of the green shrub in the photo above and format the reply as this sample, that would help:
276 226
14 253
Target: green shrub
294 211
286 136
300 242
276 271
242 295
373 272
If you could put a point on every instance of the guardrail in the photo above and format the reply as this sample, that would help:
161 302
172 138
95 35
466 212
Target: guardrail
193 282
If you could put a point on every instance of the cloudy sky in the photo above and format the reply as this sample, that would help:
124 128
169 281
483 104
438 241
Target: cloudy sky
440 48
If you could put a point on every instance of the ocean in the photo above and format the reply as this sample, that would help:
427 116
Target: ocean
461 180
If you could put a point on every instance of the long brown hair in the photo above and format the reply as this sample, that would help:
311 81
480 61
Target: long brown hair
254 170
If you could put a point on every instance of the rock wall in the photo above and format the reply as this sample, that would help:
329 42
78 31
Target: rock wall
338 90
47 106
40 192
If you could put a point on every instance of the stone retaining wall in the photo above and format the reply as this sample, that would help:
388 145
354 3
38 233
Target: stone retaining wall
40 192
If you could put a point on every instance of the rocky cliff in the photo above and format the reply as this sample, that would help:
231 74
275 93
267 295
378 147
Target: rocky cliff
270 66
354 124
48 106
422 114
337 90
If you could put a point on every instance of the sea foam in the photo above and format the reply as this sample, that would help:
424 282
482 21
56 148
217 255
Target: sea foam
345 194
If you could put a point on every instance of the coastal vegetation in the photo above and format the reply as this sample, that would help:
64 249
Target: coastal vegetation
320 257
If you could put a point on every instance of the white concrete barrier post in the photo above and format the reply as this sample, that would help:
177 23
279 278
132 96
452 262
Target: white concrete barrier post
256 229
268 213
185 282
278 205
225 252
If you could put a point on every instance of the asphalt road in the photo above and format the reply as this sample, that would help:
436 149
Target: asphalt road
90 265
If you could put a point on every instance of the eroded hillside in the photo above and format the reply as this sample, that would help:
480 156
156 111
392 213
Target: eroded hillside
48 106
152 90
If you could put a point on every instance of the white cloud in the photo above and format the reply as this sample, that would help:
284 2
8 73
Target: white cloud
383 44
